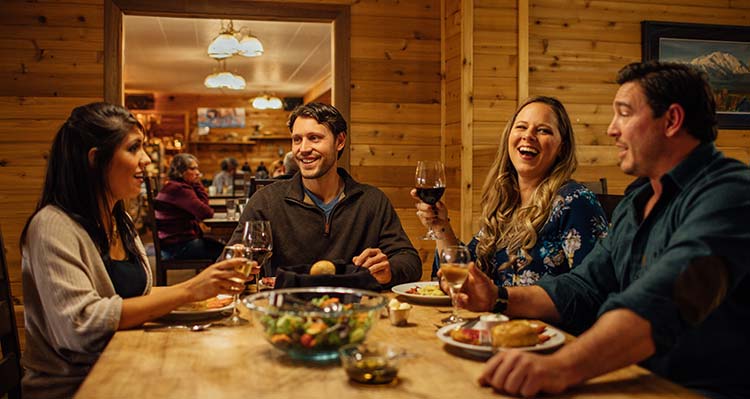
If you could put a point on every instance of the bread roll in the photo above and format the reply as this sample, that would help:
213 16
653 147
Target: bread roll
322 267
516 333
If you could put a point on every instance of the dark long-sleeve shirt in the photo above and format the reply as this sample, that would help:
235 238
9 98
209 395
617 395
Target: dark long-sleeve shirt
302 234
181 206
685 269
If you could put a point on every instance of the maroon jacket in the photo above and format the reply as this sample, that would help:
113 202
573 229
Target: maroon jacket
179 207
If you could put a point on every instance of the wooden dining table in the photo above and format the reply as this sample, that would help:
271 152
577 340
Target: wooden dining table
237 362
220 226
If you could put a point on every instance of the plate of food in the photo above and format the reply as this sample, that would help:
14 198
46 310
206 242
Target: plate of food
427 292
523 335
207 308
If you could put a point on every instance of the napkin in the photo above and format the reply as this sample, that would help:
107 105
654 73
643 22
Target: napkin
347 275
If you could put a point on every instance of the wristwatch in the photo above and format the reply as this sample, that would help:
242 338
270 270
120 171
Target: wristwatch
501 303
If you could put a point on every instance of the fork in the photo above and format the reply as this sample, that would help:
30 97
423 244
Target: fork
191 327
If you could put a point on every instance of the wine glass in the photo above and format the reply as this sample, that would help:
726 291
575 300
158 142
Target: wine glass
454 268
231 252
259 242
430 185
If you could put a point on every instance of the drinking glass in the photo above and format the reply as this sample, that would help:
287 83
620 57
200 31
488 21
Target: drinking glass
231 252
430 185
259 242
454 268
231 208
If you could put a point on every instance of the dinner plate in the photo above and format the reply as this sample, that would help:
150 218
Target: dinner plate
556 339
426 299
181 315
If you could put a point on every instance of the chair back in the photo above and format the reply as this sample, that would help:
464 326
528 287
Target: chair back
597 186
257 184
162 265
609 203
10 365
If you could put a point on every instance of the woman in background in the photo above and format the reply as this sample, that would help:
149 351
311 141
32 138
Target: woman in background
85 273
224 180
182 205
535 219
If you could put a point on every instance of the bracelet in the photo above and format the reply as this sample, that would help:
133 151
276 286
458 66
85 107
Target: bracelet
501 303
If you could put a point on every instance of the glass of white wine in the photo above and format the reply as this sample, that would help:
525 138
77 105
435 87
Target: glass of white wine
231 252
454 269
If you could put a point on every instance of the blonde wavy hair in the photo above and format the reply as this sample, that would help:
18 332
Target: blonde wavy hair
505 223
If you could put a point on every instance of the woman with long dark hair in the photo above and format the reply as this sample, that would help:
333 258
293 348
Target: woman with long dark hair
535 220
85 272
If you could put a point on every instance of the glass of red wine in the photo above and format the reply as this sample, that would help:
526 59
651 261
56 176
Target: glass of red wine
430 185
259 242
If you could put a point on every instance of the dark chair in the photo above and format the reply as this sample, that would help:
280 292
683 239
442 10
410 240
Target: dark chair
162 265
597 186
609 203
257 184
10 365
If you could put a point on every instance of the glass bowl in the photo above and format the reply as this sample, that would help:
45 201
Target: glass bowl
313 323
371 363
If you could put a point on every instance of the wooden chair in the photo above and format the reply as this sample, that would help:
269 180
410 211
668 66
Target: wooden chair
257 184
162 265
10 365
609 203
597 186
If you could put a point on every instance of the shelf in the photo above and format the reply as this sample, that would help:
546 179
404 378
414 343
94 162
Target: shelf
225 142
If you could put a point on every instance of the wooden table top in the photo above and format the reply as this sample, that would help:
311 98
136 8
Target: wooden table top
236 362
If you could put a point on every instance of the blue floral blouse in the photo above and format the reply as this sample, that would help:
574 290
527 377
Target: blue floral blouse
576 222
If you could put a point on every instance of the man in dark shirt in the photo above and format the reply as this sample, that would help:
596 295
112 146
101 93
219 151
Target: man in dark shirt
323 213
669 286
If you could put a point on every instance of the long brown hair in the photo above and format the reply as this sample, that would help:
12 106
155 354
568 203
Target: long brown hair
80 188
505 223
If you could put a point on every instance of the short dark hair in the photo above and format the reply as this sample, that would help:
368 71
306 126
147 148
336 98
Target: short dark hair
667 83
228 163
324 114
179 165
80 187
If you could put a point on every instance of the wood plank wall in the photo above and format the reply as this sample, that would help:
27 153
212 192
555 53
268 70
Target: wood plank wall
395 104
576 49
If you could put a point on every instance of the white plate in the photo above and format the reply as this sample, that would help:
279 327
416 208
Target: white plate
556 339
432 300
198 314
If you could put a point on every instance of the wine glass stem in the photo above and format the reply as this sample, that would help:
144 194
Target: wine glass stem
454 312
235 303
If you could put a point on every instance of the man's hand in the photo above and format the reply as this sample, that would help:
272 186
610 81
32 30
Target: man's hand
478 293
377 262
526 374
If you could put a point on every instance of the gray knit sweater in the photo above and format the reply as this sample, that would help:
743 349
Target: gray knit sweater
71 309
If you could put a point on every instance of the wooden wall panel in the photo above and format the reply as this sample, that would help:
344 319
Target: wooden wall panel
396 96
495 90
576 49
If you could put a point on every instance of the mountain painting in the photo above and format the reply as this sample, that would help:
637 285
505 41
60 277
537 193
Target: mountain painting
725 63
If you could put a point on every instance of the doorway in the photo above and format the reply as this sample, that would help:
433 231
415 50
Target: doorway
337 15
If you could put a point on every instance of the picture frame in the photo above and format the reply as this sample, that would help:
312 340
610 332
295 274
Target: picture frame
722 51
221 117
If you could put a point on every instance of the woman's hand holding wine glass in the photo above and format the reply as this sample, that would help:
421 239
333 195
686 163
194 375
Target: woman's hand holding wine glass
430 186
243 268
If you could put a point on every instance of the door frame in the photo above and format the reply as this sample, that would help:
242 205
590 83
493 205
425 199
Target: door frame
338 15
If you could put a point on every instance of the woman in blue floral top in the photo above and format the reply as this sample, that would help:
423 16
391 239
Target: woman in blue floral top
535 219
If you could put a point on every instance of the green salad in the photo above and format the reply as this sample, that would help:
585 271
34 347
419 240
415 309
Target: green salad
344 326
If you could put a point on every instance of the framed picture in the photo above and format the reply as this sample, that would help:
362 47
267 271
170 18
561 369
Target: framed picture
221 117
722 51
